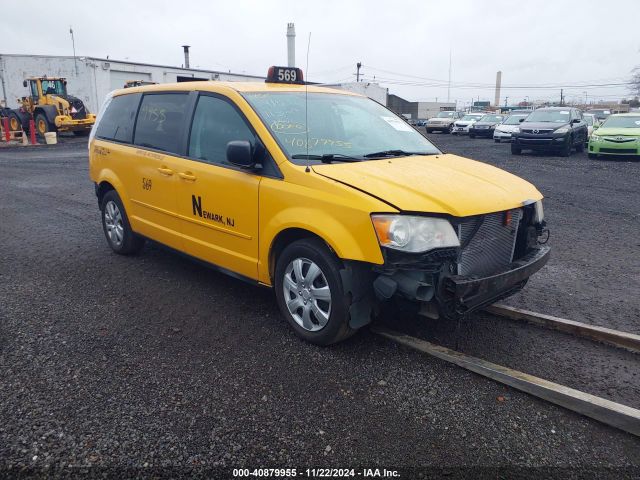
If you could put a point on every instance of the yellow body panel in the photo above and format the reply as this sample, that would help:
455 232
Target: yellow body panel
231 218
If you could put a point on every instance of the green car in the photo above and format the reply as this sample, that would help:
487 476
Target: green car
618 135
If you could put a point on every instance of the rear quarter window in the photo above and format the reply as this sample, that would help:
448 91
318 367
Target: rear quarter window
117 121
161 121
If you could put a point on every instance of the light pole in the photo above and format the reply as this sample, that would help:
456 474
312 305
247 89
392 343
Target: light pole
73 43
585 98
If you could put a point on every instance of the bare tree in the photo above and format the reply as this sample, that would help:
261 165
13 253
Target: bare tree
635 81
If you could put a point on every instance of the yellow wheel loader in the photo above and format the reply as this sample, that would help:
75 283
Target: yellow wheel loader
52 109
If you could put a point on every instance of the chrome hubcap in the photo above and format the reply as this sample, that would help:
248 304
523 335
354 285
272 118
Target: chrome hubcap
113 222
307 294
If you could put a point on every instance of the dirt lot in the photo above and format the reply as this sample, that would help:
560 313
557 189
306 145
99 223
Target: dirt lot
155 361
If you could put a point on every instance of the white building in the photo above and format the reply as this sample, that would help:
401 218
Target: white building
90 78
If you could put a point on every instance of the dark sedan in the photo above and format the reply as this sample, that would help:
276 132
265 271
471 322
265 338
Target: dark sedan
553 128
485 126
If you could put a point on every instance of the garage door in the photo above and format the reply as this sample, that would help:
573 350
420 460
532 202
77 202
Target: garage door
118 78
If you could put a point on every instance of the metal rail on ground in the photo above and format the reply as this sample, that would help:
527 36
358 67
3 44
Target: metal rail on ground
605 411
628 341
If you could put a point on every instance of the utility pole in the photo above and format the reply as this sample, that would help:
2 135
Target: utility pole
358 66
449 84
561 97
506 100
73 43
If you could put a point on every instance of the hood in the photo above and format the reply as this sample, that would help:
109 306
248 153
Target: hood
506 128
437 119
543 125
486 124
464 123
446 184
617 132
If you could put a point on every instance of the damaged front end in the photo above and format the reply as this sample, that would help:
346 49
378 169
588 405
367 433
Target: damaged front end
495 256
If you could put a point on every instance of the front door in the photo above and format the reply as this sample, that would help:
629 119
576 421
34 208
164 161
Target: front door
218 202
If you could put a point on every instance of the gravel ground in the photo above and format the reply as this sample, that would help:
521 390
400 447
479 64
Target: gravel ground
136 364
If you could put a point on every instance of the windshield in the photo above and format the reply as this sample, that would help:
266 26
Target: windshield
53 87
622 122
340 125
492 118
469 118
551 116
445 115
515 119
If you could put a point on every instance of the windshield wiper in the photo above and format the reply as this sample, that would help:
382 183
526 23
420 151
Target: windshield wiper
326 157
394 153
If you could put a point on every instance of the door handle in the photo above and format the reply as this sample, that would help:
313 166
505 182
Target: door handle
187 176
165 171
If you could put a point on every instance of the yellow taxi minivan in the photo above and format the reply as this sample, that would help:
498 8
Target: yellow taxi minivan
323 194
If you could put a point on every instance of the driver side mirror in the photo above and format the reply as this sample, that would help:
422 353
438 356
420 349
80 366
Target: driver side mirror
575 120
522 120
24 83
240 153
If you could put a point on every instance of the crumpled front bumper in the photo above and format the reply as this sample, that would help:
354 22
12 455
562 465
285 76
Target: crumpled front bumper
465 294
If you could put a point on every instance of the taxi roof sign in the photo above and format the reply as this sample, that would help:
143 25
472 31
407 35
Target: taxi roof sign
285 75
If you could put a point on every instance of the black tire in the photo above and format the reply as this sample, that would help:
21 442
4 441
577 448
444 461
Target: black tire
337 327
42 125
497 140
580 147
593 156
450 129
130 242
15 125
566 149
515 150
81 133
429 130
472 135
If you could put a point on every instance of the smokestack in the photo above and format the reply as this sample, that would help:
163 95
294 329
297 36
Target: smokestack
498 84
186 55
291 45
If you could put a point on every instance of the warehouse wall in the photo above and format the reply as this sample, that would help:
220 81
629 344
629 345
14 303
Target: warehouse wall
95 77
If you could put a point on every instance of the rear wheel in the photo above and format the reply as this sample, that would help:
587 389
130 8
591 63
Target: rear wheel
42 124
310 293
516 150
14 122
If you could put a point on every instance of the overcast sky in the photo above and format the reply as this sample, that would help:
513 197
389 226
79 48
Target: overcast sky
404 44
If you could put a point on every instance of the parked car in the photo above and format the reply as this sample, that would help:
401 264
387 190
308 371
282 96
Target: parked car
506 128
591 121
600 113
485 126
462 126
552 128
443 122
618 135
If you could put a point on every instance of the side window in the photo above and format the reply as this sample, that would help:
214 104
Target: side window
215 124
34 89
117 121
161 120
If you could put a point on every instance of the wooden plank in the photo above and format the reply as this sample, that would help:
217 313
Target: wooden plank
608 412
628 341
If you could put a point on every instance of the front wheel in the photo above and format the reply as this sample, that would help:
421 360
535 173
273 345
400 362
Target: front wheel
429 130
472 135
42 125
310 293
450 130
566 149
117 229
593 156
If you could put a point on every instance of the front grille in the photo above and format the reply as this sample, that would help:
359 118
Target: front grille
538 131
620 140
618 150
488 246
